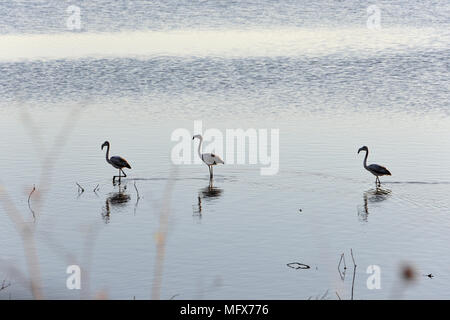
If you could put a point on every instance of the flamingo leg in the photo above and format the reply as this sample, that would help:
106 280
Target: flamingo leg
211 173
119 176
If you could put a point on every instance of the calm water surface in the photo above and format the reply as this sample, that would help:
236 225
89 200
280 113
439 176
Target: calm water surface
324 84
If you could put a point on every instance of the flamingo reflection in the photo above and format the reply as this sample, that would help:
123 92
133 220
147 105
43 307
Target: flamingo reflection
372 196
207 194
115 199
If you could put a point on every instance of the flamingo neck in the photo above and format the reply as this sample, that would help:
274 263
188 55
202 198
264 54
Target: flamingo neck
365 159
199 147
107 154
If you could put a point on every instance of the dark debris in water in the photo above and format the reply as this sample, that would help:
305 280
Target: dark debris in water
80 188
4 285
298 265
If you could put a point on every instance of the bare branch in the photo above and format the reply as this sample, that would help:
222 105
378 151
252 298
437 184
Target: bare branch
354 272
29 205
80 188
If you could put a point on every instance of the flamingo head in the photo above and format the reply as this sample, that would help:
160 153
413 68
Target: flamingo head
363 149
197 136
105 144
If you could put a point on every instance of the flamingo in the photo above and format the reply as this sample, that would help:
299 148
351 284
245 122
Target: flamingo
210 159
375 169
116 162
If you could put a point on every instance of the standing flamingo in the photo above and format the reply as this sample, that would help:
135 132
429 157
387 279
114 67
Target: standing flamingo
116 162
210 159
375 169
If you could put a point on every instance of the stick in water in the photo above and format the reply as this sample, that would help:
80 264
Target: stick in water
354 272
80 188
29 205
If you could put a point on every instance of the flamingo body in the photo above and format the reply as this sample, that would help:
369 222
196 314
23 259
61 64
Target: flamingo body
378 170
211 159
119 162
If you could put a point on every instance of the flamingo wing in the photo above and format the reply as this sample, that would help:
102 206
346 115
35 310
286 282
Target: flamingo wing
211 159
119 162
378 170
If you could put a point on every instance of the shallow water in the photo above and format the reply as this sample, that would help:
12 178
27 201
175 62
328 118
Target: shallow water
235 239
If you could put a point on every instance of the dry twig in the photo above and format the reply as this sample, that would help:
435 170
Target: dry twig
80 188
354 272
29 205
